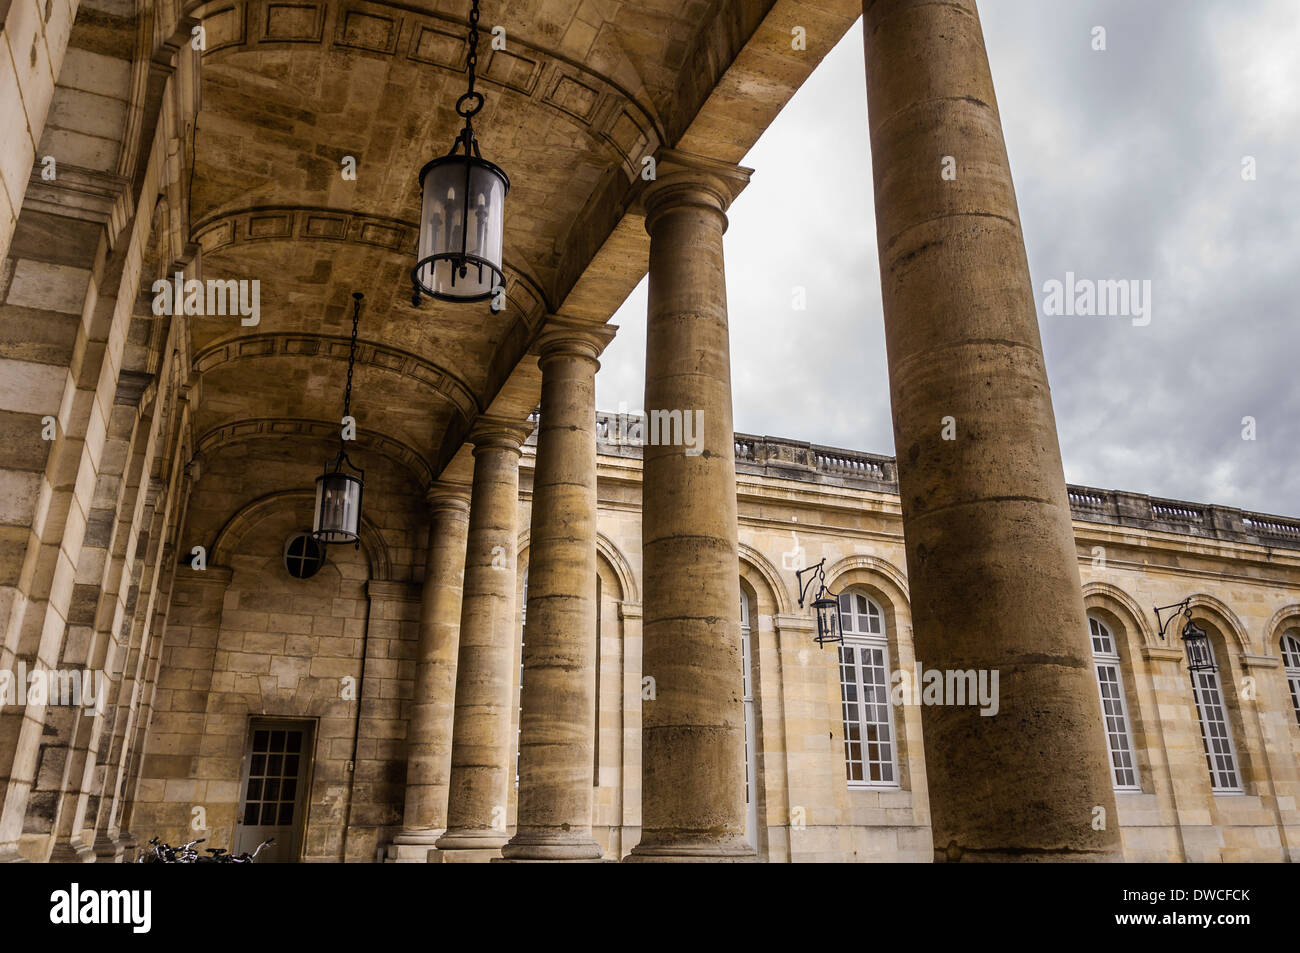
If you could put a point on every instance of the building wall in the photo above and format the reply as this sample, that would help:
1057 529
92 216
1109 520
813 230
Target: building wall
243 639
1244 595
246 639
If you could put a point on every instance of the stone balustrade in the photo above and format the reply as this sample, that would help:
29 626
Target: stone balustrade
621 435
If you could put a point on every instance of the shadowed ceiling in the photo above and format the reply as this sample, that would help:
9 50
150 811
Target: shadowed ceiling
581 92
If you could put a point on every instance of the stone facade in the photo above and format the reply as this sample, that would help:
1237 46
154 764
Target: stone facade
799 503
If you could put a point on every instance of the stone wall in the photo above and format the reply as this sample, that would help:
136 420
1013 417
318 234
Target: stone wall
799 504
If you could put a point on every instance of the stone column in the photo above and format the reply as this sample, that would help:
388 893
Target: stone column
693 731
991 557
481 772
559 678
428 740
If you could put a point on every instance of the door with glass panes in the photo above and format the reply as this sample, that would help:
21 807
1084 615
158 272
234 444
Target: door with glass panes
273 791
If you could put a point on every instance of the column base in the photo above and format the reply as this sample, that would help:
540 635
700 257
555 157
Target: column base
957 855
412 847
108 849
544 847
481 855
730 851
72 852
473 846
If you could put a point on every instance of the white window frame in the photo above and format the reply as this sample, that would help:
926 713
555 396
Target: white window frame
1207 691
1290 645
751 741
1119 738
863 634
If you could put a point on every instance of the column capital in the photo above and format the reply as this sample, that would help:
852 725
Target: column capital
498 433
572 337
444 494
682 178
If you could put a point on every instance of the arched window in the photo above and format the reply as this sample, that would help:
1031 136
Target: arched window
1291 662
1114 708
1216 736
751 746
869 758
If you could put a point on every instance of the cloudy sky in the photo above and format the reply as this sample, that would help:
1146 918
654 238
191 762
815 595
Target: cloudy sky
1128 165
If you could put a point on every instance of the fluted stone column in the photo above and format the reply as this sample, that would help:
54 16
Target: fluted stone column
481 772
991 558
693 731
428 740
556 740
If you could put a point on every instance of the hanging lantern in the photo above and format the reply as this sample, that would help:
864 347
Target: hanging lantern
338 491
1196 641
827 609
825 606
462 218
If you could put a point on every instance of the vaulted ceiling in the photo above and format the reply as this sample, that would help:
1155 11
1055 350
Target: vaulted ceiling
580 93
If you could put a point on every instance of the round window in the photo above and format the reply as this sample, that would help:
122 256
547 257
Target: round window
303 556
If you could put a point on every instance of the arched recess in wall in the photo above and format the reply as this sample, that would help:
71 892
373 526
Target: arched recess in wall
886 585
1137 629
760 569
606 549
232 534
872 564
1123 619
1229 642
1287 617
1223 617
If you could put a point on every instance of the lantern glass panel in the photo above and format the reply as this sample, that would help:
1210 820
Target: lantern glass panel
443 224
1198 656
338 508
828 619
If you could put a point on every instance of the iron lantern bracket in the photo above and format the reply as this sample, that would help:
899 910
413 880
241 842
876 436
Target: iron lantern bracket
1179 608
816 573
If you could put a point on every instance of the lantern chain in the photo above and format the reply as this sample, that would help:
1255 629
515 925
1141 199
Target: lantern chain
472 100
352 351
472 59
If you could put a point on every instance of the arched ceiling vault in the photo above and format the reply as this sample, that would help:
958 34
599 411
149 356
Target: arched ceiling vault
292 95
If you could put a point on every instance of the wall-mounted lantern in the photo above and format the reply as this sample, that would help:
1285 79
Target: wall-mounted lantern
825 605
1196 641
